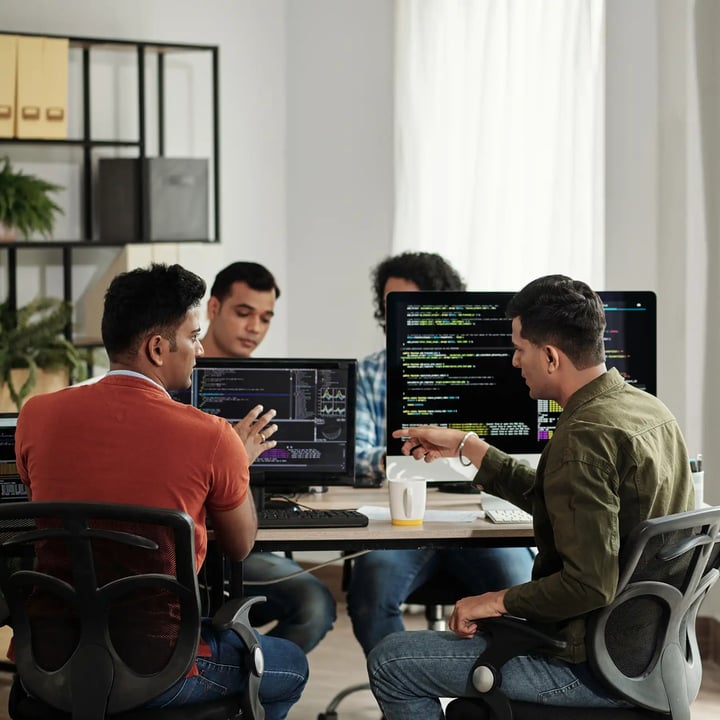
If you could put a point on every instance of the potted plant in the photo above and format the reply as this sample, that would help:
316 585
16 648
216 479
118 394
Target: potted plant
32 340
25 204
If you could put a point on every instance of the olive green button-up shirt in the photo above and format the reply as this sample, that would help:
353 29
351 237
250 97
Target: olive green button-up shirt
617 457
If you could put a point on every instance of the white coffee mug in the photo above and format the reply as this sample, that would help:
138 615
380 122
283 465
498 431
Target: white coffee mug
407 501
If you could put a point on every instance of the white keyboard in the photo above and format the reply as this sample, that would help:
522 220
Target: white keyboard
507 515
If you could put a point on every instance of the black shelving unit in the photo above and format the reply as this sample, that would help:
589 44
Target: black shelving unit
88 143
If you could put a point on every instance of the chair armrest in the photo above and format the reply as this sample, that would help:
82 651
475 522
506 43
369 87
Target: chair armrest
511 636
235 615
508 637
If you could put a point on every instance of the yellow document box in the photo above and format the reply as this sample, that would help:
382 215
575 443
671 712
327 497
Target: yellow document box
8 74
30 87
55 75
42 77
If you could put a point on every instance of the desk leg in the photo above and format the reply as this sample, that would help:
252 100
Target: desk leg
235 570
215 579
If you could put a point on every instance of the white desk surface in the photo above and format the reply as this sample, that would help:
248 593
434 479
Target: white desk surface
382 534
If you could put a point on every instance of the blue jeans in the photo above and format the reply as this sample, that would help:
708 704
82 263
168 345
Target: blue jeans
303 606
409 671
286 672
382 580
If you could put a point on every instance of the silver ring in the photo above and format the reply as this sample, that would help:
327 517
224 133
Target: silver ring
262 436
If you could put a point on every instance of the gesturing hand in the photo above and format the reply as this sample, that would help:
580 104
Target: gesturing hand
429 442
255 430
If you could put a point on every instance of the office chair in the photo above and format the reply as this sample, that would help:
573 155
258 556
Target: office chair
88 586
435 594
642 646
5 665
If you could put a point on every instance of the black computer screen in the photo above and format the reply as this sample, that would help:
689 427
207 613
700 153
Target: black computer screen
449 363
12 488
315 404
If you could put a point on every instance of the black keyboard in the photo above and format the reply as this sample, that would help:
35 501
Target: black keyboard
289 518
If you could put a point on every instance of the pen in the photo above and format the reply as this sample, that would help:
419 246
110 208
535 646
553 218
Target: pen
699 462
693 465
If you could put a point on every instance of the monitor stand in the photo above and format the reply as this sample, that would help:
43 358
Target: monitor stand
466 488
265 500
280 504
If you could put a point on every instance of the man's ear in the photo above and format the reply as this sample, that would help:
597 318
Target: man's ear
154 349
552 356
213 307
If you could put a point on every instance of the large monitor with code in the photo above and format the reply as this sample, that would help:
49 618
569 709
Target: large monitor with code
315 404
449 363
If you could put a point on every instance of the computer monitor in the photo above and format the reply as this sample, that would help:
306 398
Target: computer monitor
449 363
12 488
315 404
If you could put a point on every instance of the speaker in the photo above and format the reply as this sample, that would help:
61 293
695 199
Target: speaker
174 201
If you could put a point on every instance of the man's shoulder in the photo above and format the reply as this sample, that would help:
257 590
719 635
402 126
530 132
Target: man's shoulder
373 362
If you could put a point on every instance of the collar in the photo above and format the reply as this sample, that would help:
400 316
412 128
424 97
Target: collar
599 386
135 374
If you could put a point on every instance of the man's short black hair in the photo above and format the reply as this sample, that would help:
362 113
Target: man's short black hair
254 275
429 271
557 310
147 301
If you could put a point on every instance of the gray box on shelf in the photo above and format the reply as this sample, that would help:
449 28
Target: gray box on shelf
175 199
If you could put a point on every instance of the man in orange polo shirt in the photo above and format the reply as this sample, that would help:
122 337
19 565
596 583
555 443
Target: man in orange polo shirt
124 440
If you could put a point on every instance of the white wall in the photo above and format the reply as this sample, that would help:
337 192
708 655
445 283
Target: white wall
339 171
306 150
663 138
251 36
661 174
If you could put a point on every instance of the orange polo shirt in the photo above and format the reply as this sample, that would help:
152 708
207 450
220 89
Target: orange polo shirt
124 440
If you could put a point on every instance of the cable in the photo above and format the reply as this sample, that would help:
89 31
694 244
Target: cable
307 570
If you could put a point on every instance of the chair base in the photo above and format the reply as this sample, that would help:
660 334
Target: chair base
476 709
331 710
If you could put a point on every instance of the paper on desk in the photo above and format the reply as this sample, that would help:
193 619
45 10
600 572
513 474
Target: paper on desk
375 512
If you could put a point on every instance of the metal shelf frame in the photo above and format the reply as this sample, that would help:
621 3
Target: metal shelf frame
87 143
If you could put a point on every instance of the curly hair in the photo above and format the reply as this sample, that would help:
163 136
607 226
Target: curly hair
427 270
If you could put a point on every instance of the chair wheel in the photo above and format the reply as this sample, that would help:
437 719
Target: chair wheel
327 716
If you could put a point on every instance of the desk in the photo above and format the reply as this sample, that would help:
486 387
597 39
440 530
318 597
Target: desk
378 535
381 534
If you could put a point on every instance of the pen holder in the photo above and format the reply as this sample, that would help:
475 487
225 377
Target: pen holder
698 481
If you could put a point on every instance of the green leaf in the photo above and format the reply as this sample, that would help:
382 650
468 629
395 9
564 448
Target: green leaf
25 202
33 337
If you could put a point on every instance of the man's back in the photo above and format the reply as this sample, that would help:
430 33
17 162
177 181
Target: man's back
123 440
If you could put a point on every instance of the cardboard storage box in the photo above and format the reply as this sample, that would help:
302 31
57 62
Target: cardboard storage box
175 192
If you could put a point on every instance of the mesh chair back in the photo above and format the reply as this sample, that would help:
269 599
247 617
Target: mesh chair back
103 599
643 645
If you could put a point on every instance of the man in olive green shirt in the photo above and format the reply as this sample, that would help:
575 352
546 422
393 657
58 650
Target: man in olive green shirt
616 458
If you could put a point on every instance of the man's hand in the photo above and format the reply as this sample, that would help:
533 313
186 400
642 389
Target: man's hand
429 443
255 431
469 609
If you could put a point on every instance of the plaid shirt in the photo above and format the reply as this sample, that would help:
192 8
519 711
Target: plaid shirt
370 418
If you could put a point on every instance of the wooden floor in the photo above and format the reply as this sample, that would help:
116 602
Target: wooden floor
338 662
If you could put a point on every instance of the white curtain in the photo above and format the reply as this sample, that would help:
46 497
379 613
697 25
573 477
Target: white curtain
499 137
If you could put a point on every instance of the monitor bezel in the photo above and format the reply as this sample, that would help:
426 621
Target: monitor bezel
397 301
294 480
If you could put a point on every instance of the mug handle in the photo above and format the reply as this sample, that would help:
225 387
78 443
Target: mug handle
407 503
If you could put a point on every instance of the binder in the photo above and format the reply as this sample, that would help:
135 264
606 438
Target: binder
42 87
55 95
8 73
30 88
